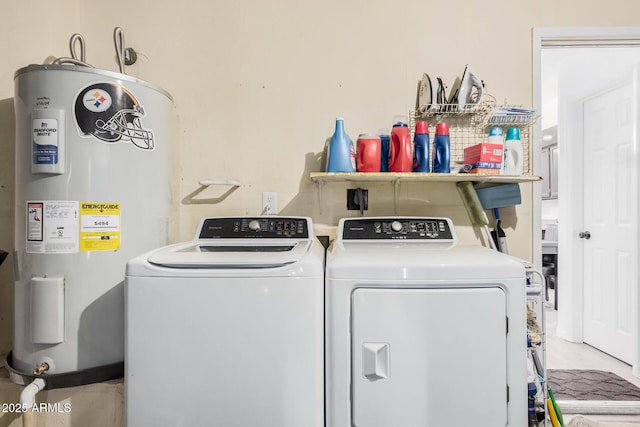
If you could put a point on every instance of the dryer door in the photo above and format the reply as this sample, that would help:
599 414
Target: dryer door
429 357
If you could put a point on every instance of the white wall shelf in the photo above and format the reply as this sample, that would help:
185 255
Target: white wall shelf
418 176
395 178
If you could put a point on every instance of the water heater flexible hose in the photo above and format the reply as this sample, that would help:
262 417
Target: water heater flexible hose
28 399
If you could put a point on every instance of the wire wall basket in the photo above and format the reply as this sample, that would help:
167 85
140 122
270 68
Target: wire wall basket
469 125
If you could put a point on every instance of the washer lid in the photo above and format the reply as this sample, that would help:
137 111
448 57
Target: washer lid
231 253
376 261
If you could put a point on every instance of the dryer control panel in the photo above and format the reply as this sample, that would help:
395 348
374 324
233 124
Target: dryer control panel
439 229
257 227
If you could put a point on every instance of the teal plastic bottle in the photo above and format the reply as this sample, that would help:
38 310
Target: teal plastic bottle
513 153
341 154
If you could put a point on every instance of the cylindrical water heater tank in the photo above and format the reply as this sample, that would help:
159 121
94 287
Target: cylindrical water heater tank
93 190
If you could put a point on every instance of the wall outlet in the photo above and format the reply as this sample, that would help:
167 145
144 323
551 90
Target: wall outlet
354 196
269 203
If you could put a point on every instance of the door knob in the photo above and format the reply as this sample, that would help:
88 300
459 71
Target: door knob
584 235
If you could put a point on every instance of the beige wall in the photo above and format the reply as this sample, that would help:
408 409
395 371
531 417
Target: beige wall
257 86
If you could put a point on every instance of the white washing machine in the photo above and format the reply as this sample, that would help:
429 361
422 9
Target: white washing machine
422 331
227 329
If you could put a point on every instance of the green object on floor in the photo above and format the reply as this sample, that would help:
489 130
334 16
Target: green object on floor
556 408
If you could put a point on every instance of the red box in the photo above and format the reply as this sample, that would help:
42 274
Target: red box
483 152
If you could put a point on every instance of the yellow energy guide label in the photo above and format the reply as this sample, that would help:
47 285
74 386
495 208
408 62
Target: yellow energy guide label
99 226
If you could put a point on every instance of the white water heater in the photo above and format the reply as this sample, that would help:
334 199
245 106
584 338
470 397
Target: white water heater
93 190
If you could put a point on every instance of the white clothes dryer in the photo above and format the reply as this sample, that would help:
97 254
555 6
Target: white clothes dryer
227 329
422 331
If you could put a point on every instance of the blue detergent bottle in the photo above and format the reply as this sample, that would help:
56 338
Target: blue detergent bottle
421 147
341 154
441 148
384 150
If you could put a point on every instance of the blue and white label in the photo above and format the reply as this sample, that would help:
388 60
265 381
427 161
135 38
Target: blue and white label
45 141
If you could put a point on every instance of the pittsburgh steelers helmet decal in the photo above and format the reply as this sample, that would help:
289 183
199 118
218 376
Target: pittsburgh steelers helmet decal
110 113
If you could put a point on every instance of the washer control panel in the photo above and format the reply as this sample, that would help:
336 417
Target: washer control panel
438 229
258 227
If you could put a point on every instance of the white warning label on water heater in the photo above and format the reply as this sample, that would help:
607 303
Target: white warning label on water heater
52 226
100 226
45 141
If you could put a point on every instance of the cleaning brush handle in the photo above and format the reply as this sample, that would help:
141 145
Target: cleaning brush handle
492 244
472 204
476 213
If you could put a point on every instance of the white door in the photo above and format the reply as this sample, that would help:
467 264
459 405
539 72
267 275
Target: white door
610 221
429 357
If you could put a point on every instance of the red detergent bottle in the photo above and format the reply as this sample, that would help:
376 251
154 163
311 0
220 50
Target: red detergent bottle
400 147
368 153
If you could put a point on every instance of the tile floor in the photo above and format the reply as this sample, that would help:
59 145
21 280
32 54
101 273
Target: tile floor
562 354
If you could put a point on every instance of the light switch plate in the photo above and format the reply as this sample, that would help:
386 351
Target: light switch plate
269 203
